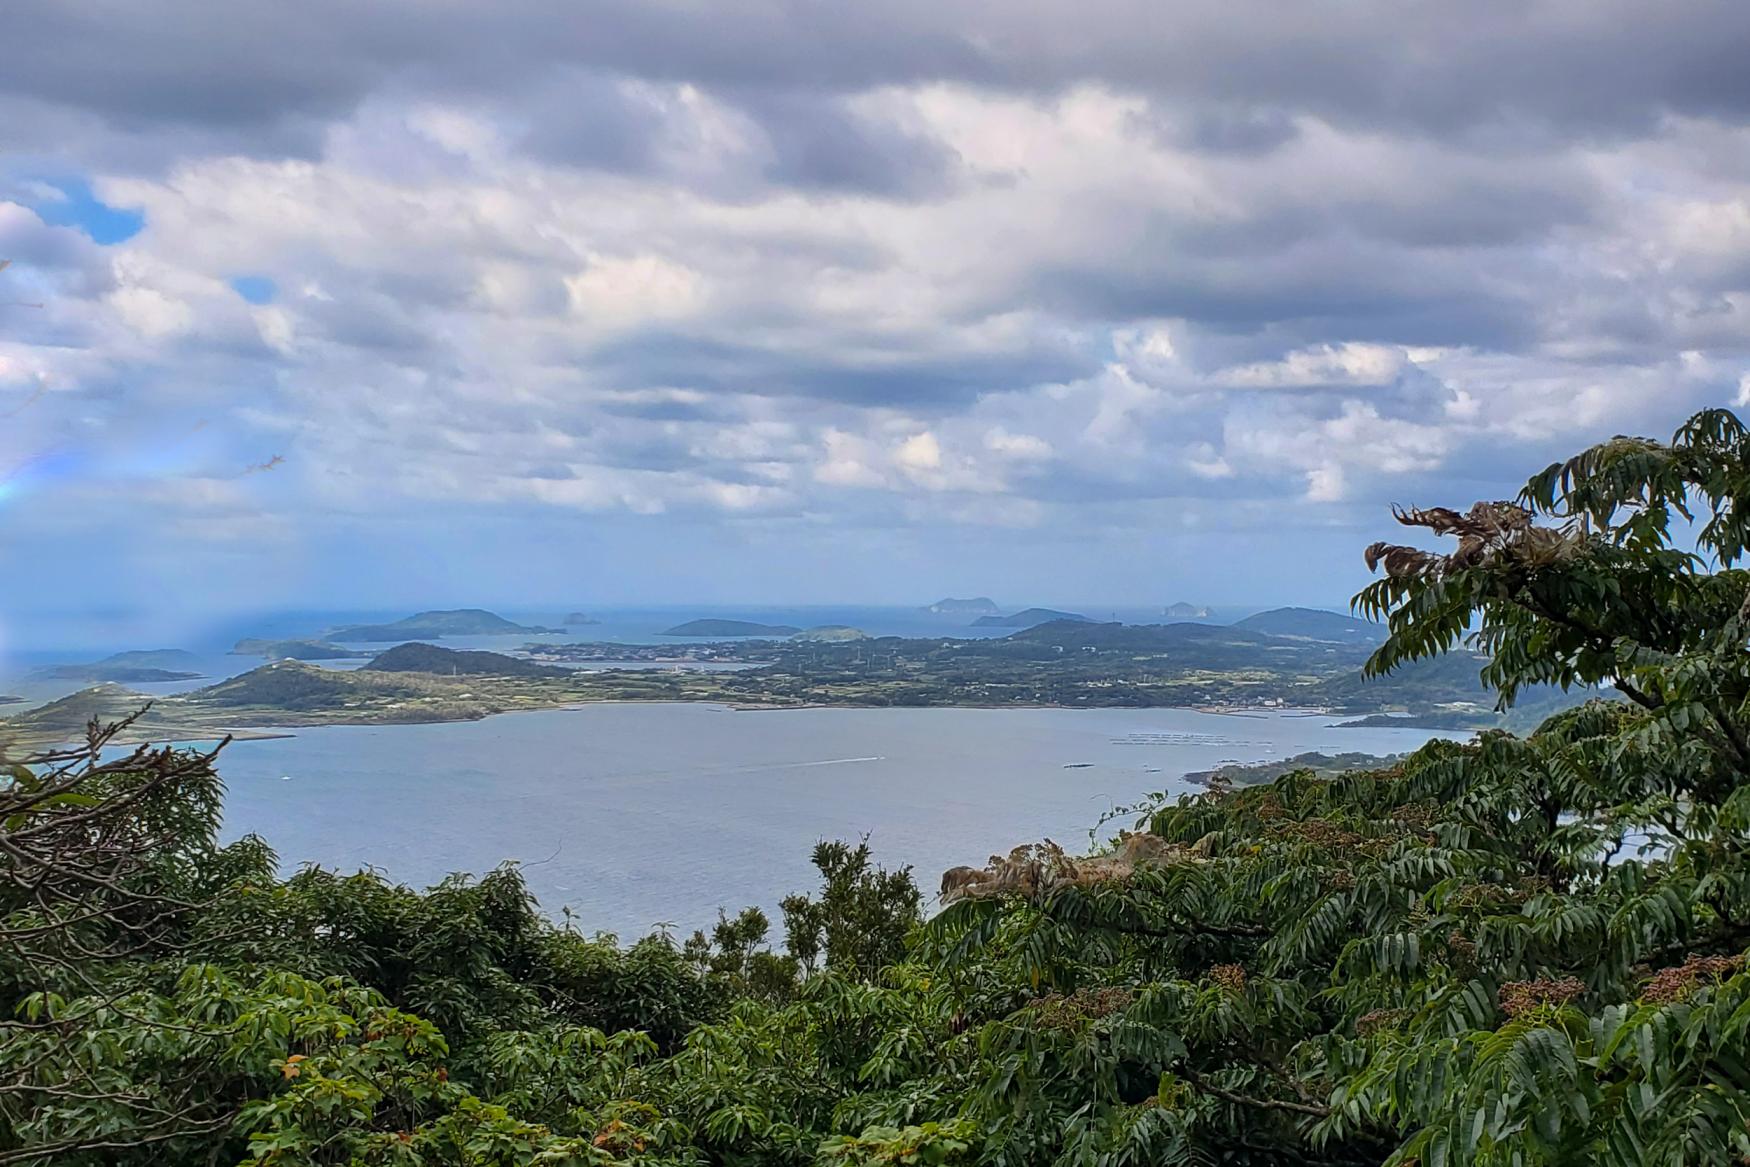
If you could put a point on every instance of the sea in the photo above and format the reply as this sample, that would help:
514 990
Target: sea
629 818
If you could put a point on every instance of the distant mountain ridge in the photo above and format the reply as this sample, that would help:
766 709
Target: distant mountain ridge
433 625
1028 617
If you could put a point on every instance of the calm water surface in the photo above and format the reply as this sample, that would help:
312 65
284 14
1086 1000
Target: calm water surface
638 814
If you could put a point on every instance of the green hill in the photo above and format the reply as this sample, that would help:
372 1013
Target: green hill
730 628
1313 624
295 687
433 625
1027 618
448 662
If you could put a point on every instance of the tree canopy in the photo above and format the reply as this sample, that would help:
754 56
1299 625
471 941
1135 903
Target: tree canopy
1511 950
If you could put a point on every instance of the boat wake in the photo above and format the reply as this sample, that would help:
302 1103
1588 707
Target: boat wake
826 762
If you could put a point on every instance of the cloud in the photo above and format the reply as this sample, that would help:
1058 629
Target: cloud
909 272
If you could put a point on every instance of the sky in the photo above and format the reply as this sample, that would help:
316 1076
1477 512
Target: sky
396 303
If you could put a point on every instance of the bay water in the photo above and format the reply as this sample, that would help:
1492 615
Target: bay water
639 816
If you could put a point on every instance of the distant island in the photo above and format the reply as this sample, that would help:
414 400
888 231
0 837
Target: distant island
1314 624
435 625
573 619
1027 618
1184 611
128 668
831 634
292 649
976 606
9 699
730 628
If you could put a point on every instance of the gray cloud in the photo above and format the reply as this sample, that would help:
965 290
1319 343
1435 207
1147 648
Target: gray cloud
1589 66
1072 274
901 377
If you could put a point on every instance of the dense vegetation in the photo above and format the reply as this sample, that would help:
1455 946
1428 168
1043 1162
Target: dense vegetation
1517 950
415 657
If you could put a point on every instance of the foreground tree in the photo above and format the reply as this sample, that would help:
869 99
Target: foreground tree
1512 951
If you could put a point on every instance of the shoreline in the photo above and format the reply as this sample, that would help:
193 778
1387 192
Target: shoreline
277 724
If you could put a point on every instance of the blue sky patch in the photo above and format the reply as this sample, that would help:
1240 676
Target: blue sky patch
255 289
81 209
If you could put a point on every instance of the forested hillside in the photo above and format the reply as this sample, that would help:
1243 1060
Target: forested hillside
1518 950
